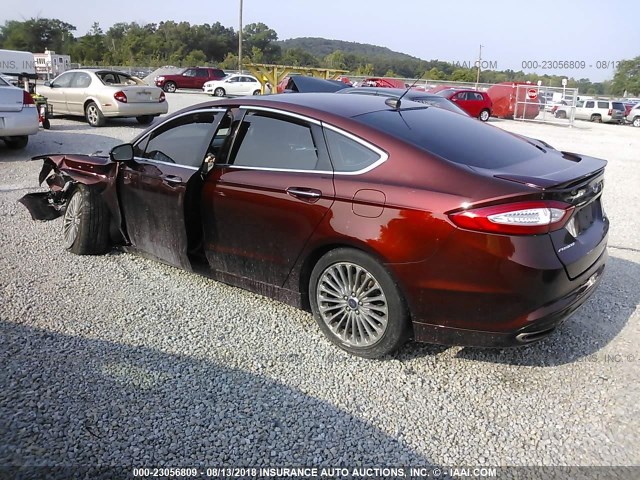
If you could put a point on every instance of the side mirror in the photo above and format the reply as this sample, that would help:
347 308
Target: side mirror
121 153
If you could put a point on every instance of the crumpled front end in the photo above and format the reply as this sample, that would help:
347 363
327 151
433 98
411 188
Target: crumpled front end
61 173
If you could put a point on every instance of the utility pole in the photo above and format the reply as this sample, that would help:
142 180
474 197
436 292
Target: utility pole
479 63
240 42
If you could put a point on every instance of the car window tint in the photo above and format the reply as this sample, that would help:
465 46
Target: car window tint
202 73
580 104
183 140
603 104
589 104
273 142
348 155
436 131
617 106
189 73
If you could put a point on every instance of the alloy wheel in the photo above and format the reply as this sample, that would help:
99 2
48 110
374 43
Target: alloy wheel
71 221
352 304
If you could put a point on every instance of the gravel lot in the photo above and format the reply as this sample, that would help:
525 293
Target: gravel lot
118 360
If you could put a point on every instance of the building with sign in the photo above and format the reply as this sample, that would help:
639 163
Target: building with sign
51 64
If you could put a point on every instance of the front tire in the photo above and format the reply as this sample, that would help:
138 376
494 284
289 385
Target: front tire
357 304
561 114
484 115
636 122
145 119
93 115
219 92
85 225
170 87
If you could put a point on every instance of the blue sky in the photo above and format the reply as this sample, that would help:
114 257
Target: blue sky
594 32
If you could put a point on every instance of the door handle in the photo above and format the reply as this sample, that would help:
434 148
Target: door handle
304 193
171 179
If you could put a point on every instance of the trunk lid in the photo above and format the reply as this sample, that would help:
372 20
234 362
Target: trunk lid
141 94
11 99
577 180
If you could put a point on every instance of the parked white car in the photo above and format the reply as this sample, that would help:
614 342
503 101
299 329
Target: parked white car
595 111
633 116
18 115
97 94
235 85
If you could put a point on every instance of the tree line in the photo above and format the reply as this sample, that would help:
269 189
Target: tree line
183 44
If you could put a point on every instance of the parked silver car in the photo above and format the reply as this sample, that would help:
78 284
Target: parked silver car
18 115
99 94
633 116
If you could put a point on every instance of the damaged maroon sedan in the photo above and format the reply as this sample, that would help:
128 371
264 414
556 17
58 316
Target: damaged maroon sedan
388 219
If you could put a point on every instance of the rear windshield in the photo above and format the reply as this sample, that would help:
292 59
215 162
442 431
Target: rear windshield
453 137
618 106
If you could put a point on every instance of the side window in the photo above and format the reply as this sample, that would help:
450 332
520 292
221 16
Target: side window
461 96
64 80
81 80
589 104
274 142
348 155
580 104
479 97
183 141
234 79
603 104
201 72
190 73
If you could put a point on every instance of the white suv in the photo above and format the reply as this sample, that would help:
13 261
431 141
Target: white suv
595 111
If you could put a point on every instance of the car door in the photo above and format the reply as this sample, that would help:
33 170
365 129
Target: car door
232 86
584 112
460 99
188 78
266 195
76 93
155 188
55 92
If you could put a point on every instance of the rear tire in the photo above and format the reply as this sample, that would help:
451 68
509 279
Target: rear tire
170 87
85 225
596 118
16 143
145 119
257 92
484 115
357 304
219 92
93 115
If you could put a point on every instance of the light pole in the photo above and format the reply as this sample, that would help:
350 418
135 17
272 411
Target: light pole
240 42
479 63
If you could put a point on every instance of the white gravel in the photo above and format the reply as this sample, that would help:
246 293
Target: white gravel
118 360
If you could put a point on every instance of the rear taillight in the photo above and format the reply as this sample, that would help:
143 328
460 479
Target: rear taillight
520 218
27 100
162 97
120 96
610 111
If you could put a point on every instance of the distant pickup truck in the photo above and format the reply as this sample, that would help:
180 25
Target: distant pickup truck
194 77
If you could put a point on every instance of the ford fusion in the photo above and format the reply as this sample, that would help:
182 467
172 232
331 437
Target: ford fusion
387 219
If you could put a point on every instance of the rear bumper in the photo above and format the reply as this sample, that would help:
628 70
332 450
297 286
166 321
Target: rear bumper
546 320
24 122
135 109
493 290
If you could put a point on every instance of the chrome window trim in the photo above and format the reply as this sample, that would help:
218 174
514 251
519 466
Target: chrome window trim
283 113
383 156
151 160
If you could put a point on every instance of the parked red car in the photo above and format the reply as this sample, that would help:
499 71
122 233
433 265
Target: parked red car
194 77
476 104
387 221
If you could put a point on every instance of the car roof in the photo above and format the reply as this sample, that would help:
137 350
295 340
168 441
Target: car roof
324 104
391 92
